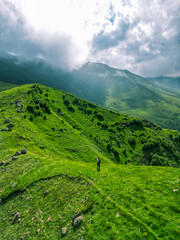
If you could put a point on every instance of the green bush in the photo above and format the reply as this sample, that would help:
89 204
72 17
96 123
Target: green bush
70 108
66 102
158 161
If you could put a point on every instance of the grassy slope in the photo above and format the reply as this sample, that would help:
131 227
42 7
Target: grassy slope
119 202
5 86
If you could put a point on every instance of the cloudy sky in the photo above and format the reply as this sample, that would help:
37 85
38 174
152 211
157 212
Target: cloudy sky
142 36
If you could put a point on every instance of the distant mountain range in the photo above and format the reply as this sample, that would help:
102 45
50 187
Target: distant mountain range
171 83
156 99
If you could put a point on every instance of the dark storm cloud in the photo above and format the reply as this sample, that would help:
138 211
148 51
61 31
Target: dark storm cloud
18 37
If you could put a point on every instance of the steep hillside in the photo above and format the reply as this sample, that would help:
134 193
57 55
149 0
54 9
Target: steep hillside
171 83
5 86
49 183
118 90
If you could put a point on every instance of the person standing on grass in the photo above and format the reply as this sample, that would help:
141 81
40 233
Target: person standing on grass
98 163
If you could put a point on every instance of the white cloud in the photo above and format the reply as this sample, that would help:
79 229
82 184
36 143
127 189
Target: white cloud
139 35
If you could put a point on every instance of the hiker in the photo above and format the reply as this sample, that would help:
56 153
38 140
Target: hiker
98 163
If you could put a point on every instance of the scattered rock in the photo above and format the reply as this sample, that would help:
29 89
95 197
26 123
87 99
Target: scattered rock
12 103
23 151
18 104
63 231
175 189
7 120
13 185
4 130
2 163
11 125
19 110
6 163
9 129
17 154
77 215
14 158
42 147
16 217
77 222
2 110
62 113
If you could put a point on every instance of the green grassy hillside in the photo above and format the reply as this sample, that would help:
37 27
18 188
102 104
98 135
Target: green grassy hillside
55 178
118 90
125 92
5 86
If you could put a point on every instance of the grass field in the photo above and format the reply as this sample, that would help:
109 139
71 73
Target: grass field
45 188
5 86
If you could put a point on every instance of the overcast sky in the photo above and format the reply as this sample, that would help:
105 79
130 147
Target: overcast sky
142 36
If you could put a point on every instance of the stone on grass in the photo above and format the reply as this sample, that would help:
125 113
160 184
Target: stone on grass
2 163
18 104
14 158
23 151
4 130
10 125
77 214
13 185
6 163
7 120
2 110
77 221
19 110
17 154
63 231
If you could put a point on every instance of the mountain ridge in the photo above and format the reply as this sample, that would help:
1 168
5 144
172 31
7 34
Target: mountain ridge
115 89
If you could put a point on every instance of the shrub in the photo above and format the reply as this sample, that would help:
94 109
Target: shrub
66 102
31 118
109 147
70 108
158 161
99 117
89 111
132 141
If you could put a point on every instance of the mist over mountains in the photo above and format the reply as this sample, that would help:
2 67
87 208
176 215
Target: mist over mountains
108 87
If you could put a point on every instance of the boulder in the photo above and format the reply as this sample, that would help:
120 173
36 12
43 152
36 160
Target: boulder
13 185
23 151
17 154
10 125
78 221
4 130
14 158
18 104
63 231
2 163
7 120
6 163
19 110
77 214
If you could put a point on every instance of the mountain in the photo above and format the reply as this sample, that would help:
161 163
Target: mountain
119 90
6 86
50 187
171 83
